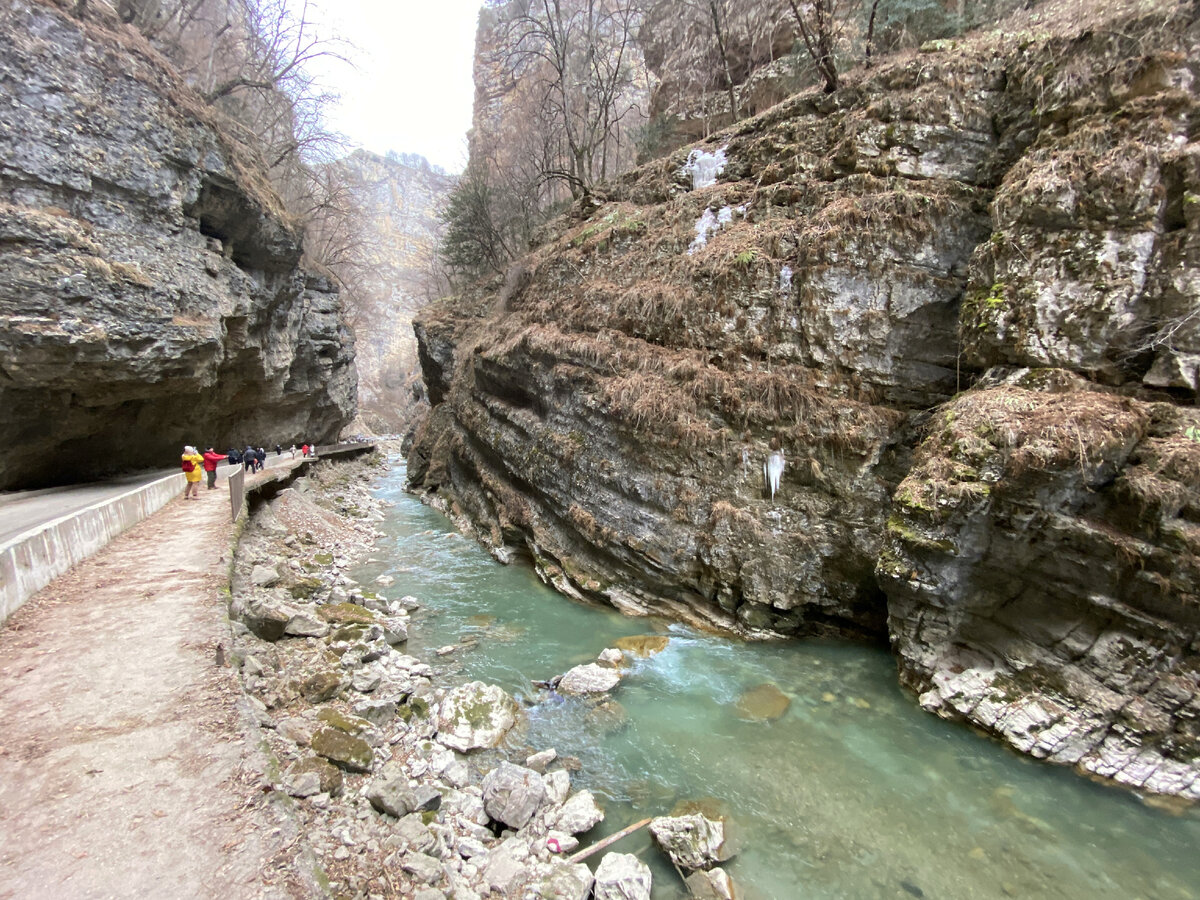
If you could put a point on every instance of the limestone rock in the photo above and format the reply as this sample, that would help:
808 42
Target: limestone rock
422 868
764 701
621 876
264 576
392 796
711 884
305 625
115 306
474 716
589 679
540 761
643 644
565 882
347 751
692 841
579 814
512 794
329 777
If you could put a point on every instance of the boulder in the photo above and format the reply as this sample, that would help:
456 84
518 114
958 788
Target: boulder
474 716
305 625
713 884
565 882
621 876
764 702
266 622
422 868
610 658
579 814
377 712
329 777
321 687
393 796
512 794
344 750
540 761
589 679
416 834
692 842
264 576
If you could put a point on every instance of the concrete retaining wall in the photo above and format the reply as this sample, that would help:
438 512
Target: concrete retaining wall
32 560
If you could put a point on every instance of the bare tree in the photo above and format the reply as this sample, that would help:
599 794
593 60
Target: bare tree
818 26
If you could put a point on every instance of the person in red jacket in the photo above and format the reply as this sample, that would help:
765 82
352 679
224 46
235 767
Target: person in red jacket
211 458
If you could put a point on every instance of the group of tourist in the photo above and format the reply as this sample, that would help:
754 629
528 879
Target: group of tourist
253 458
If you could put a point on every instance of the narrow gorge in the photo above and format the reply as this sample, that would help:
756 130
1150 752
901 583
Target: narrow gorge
960 295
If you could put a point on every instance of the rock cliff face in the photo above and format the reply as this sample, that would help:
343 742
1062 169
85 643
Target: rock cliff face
961 295
150 289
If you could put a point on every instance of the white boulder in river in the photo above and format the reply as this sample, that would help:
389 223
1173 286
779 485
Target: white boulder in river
621 876
692 842
589 679
475 715
512 794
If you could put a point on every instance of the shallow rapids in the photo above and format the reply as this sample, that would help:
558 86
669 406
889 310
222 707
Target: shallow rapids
849 791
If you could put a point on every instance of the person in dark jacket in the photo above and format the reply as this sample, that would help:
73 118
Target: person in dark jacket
235 457
249 458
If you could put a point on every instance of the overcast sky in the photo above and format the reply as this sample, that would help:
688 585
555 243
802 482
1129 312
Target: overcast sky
410 89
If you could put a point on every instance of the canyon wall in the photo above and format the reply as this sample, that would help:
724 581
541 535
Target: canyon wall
960 296
151 293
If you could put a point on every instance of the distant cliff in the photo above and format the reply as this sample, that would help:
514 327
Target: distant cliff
961 295
150 289
390 272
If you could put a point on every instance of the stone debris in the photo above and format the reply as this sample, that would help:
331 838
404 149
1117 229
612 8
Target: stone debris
381 760
692 841
589 679
621 876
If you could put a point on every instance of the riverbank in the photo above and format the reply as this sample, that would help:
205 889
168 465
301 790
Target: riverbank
401 785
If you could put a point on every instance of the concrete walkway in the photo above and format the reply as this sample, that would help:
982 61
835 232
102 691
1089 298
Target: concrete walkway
128 762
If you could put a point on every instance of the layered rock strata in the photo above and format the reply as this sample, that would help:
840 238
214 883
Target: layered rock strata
151 293
1012 217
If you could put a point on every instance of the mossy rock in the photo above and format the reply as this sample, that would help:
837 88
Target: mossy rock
323 559
343 750
346 614
348 634
328 775
321 687
343 722
415 707
305 588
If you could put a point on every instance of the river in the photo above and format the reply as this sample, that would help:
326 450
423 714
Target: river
853 792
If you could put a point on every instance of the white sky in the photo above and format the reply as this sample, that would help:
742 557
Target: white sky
410 89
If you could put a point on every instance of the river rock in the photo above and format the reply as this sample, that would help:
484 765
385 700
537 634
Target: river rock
392 796
265 621
347 751
264 576
329 777
579 814
692 841
409 603
589 679
765 701
558 785
320 687
564 882
512 794
505 866
305 625
610 658
713 884
427 798
621 876
539 762
642 644
474 716
423 868
416 834
296 729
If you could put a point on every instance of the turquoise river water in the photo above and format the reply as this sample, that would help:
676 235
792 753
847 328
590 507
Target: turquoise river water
853 792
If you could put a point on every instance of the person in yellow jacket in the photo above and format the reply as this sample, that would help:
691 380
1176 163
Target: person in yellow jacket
193 470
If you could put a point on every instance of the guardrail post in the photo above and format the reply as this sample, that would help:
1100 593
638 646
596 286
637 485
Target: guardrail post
237 483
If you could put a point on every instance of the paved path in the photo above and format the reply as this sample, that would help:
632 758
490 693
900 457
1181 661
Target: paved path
22 511
125 764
